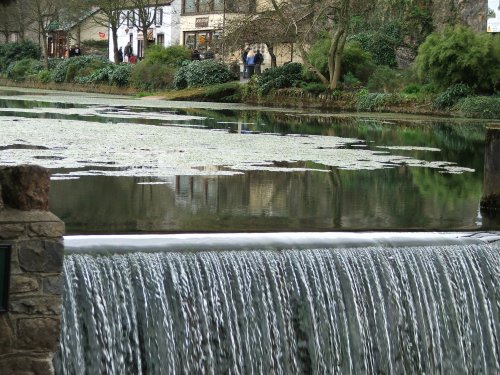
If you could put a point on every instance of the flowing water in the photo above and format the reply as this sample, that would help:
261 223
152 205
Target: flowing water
343 309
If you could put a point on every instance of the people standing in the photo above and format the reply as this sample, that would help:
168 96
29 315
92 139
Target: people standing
132 59
120 55
259 59
244 55
250 63
128 52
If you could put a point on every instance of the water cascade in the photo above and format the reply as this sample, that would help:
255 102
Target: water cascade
281 304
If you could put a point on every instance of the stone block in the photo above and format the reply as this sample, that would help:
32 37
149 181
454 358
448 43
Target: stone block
41 256
11 231
50 229
23 364
35 305
25 187
23 284
6 335
53 285
38 334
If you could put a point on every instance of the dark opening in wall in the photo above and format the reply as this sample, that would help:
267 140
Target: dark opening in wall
4 276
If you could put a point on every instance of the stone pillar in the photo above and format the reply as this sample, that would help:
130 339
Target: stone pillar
29 330
491 191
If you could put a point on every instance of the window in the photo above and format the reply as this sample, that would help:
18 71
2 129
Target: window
200 40
219 5
140 48
207 6
159 17
130 19
190 6
204 6
160 40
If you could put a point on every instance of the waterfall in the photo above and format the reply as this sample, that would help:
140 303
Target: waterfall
417 309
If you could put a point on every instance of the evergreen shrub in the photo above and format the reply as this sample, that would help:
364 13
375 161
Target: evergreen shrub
458 55
479 106
11 52
120 74
355 60
202 73
451 96
283 76
173 55
79 68
381 44
314 88
151 77
369 102
384 79
21 69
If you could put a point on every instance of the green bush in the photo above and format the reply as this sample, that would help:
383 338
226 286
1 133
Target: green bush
350 81
173 55
458 55
96 76
412 88
354 59
357 62
479 106
20 70
451 96
78 69
151 77
384 79
314 88
368 102
44 76
11 52
381 44
288 75
229 92
202 73
120 74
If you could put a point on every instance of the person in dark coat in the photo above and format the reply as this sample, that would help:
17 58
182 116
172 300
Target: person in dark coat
244 55
120 55
195 55
258 60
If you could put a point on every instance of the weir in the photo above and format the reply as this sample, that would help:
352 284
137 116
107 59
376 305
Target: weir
290 303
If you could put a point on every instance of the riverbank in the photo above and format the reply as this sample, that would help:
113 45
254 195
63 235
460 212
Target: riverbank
340 101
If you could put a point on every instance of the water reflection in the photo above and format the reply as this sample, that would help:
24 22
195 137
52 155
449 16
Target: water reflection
401 198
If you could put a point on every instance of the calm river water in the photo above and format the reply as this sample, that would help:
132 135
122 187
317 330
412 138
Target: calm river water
122 165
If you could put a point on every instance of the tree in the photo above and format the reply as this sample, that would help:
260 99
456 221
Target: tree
144 16
300 22
263 28
110 15
43 17
306 19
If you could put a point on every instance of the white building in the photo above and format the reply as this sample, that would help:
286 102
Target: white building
165 30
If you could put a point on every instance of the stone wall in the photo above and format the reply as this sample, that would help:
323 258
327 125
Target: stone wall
29 331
